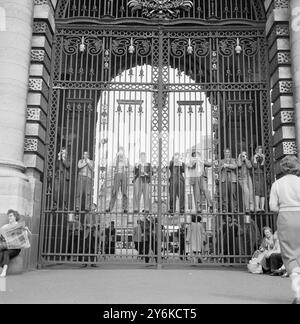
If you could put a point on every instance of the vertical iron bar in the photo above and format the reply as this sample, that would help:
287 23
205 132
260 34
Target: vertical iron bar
160 129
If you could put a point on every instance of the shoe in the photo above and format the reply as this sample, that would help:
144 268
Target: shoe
125 211
274 274
279 272
296 301
285 275
108 210
171 211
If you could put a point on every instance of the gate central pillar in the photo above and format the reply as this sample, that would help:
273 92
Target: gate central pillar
15 45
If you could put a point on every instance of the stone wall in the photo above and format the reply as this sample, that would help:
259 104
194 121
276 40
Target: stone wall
281 82
36 114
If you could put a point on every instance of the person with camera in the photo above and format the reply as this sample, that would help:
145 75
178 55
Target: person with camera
258 162
245 181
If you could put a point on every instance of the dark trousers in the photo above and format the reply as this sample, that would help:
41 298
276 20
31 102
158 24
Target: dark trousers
61 190
7 255
153 248
139 246
229 199
110 248
177 190
275 261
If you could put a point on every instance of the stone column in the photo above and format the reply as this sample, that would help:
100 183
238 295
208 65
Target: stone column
15 46
295 53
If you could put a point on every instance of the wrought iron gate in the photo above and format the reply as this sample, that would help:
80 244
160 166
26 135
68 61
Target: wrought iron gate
167 114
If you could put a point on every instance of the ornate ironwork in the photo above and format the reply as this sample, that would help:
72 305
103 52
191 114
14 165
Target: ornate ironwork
177 11
161 91
161 9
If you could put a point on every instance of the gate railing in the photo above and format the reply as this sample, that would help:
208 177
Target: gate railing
92 238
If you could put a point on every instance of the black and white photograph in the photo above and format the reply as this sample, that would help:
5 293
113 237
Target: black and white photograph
149 155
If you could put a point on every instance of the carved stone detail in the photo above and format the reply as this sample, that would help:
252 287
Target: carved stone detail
33 114
286 86
281 4
31 145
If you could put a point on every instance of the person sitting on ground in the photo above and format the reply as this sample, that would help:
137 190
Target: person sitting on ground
267 248
7 254
273 258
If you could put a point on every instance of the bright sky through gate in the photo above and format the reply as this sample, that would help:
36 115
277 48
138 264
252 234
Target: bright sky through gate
130 114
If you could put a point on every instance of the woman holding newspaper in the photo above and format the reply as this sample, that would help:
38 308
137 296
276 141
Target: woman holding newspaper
13 237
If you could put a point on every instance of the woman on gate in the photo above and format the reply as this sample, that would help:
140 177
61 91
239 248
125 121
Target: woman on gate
285 199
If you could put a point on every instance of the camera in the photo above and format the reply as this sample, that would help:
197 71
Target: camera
259 159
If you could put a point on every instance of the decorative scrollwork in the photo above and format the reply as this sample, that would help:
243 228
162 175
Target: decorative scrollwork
250 46
201 47
120 45
72 44
143 47
178 47
95 45
226 46
164 9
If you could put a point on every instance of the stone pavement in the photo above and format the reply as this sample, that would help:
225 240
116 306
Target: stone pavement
145 285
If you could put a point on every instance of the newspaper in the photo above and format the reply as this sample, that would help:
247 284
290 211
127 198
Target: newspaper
15 236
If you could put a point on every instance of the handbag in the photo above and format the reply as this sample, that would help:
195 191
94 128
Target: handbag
254 265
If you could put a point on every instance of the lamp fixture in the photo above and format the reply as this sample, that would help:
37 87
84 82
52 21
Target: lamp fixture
82 45
238 48
131 48
190 47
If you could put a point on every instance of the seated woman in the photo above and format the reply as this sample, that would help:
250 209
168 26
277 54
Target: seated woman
269 246
7 254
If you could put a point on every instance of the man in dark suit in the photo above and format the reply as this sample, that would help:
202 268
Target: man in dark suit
142 180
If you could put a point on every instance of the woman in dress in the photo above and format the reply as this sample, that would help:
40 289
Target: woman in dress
196 238
285 199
